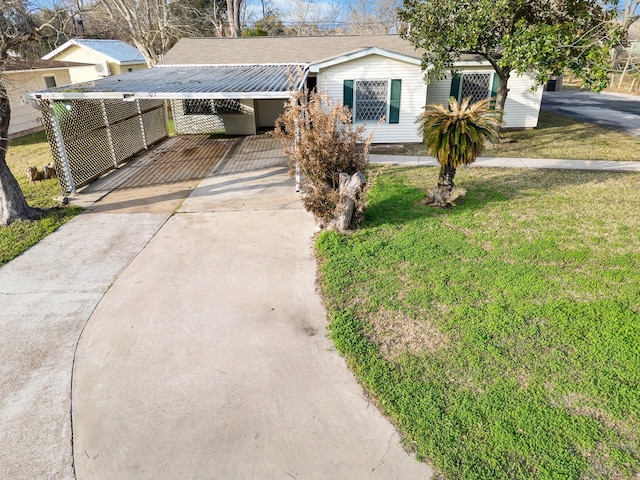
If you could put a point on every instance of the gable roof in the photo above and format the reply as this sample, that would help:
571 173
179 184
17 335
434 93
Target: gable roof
116 50
280 50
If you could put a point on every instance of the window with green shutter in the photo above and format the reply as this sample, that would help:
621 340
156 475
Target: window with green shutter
477 86
372 100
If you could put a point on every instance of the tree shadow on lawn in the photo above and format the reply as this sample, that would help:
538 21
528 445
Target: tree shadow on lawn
397 199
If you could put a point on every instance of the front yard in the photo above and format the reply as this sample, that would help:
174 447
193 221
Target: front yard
501 336
32 150
560 137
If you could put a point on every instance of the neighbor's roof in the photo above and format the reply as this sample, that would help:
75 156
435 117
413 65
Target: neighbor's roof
261 50
17 64
116 50
227 81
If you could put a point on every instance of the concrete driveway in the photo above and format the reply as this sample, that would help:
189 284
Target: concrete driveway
196 339
613 110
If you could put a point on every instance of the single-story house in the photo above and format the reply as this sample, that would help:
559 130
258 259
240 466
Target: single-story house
22 76
379 76
108 57
239 85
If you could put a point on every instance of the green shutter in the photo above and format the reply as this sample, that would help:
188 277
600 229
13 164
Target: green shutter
494 90
347 98
456 80
394 102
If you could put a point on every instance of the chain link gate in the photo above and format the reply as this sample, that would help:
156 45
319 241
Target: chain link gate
90 137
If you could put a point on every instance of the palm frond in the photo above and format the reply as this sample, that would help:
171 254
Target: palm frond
456 134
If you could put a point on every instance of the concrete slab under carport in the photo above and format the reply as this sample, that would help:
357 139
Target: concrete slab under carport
156 181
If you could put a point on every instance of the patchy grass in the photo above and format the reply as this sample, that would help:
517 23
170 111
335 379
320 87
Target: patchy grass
32 150
501 336
559 137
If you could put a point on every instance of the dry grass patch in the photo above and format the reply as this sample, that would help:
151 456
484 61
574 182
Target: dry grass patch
397 334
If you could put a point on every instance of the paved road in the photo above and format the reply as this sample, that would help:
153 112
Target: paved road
613 110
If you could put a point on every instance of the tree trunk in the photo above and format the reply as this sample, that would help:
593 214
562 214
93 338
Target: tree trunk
349 190
233 15
13 205
501 96
445 180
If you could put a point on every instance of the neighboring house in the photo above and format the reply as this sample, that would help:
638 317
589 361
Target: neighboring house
109 57
23 76
379 76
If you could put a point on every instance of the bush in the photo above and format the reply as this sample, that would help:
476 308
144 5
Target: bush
321 143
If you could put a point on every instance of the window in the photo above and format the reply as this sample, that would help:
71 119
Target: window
197 107
212 107
478 86
227 106
50 81
372 100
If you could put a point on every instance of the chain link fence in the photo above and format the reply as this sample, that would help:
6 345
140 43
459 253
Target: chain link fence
90 137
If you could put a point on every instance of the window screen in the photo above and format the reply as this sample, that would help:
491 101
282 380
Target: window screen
371 100
197 107
227 106
475 85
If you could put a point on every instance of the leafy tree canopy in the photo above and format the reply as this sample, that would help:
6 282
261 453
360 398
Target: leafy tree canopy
545 36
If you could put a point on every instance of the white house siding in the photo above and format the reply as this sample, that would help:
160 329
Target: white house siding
376 67
521 109
232 124
24 118
269 111
244 124
438 91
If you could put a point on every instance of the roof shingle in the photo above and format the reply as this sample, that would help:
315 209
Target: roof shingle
278 50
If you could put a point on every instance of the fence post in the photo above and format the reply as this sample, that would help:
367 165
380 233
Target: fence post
144 134
109 137
57 134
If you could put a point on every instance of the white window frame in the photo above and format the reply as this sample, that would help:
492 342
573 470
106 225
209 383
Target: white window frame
355 99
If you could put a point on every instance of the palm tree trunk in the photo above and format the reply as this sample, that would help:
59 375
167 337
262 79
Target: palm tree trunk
13 206
445 180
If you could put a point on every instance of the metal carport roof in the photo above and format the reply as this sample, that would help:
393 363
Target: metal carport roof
188 81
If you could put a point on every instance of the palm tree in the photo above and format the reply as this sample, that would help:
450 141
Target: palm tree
456 134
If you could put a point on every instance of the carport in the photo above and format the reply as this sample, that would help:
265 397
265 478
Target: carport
96 126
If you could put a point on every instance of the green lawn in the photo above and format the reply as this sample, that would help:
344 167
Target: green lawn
32 150
560 137
502 336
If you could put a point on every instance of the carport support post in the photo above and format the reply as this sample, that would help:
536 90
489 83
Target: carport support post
57 133
109 137
144 134
296 139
